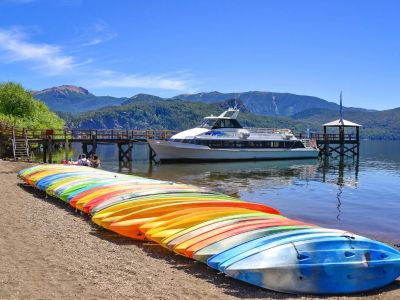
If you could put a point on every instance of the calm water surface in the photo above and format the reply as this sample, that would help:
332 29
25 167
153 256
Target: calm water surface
360 196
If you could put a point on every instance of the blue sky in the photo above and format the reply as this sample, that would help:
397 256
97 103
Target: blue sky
168 47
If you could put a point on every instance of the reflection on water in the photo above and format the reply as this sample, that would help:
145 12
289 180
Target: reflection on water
343 164
359 195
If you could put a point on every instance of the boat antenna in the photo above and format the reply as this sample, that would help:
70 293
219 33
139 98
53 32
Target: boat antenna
236 104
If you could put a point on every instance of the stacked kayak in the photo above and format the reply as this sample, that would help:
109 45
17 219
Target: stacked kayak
248 241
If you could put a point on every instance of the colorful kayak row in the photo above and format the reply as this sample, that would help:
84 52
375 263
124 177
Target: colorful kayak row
247 241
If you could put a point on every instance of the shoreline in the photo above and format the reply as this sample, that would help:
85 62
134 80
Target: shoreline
50 251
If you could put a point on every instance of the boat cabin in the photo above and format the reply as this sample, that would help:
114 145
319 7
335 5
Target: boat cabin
222 121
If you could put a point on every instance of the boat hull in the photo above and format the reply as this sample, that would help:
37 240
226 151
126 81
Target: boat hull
175 152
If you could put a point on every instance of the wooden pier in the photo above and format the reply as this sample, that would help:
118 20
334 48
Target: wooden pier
22 141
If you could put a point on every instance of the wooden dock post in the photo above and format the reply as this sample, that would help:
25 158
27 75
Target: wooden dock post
152 156
326 143
85 149
93 147
66 146
125 155
50 149
44 152
358 140
94 143
341 139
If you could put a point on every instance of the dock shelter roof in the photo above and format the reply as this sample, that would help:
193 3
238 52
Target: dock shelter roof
341 122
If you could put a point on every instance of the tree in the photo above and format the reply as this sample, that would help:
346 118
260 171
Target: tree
19 108
15 101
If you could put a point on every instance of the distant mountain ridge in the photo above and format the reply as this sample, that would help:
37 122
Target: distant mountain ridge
69 98
63 90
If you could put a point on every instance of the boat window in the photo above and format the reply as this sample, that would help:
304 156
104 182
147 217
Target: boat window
244 144
207 123
215 144
241 143
227 123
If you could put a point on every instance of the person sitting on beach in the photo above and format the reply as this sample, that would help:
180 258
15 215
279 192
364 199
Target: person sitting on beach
95 161
82 161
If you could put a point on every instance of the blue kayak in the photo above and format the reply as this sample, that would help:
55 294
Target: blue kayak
320 265
242 250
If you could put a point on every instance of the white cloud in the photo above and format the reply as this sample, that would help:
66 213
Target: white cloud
15 47
110 79
97 33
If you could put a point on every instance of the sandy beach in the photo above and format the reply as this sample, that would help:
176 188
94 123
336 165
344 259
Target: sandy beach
49 251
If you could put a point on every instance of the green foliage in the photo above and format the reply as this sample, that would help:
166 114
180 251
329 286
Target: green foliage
15 101
18 108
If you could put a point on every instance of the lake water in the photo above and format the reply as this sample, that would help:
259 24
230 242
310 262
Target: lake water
359 196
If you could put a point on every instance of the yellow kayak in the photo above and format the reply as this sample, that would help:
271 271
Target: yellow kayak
104 218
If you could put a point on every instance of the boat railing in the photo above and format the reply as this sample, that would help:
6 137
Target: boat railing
268 130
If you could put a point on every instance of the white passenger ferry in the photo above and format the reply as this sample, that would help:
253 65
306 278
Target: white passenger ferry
222 138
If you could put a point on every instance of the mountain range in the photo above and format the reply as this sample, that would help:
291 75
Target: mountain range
68 98
81 109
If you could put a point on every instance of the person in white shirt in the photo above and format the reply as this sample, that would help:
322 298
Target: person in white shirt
83 161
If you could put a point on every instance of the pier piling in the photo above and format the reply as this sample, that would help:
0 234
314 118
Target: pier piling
125 155
66 147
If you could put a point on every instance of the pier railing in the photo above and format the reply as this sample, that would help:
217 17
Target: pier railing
328 137
86 134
